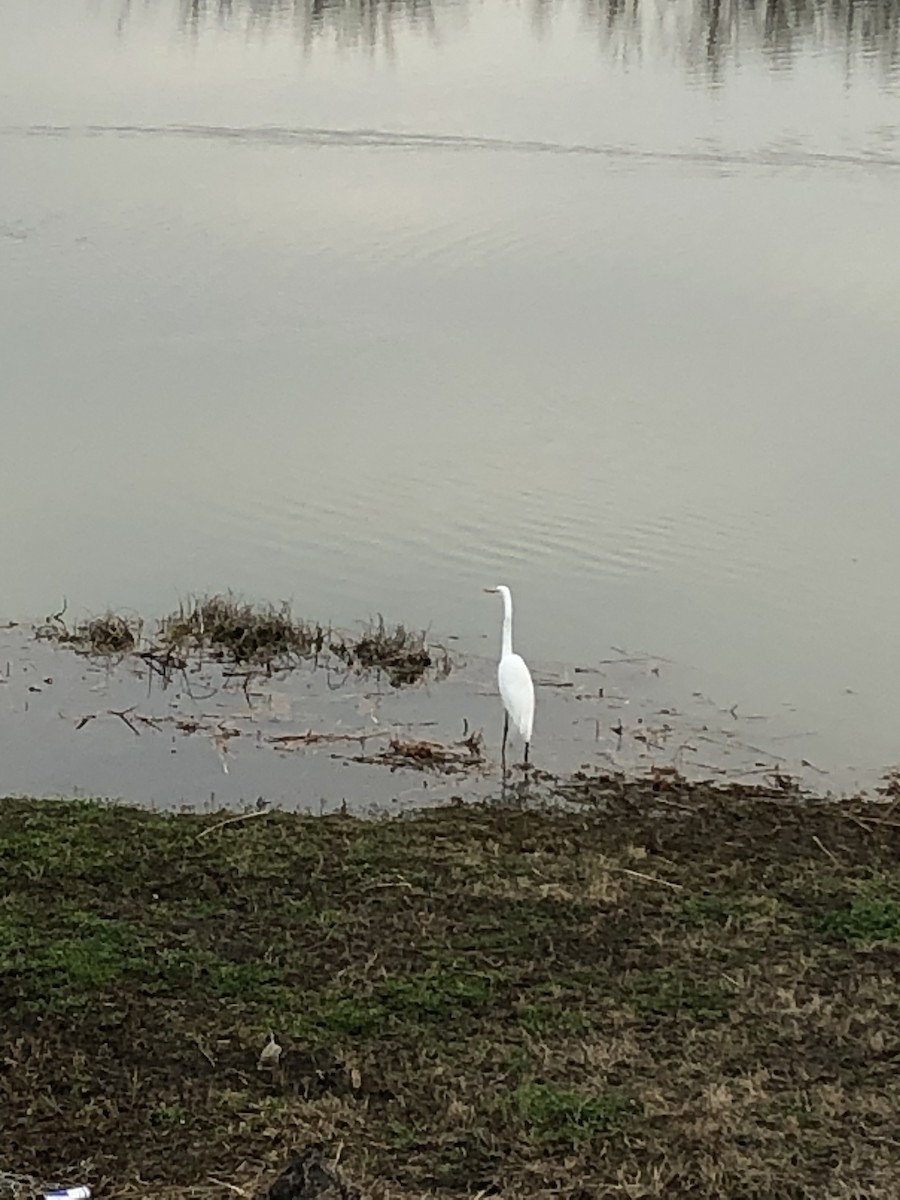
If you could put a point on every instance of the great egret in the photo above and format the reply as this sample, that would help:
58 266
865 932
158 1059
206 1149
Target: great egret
514 678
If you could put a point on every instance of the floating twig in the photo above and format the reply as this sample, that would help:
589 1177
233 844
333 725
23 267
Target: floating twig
312 736
122 714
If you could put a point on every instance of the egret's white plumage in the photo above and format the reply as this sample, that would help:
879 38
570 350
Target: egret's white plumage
514 678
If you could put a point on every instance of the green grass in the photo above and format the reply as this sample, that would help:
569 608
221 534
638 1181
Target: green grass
559 1115
543 1019
712 909
405 1003
868 919
85 952
672 993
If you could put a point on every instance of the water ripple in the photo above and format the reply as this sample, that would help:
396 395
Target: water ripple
792 156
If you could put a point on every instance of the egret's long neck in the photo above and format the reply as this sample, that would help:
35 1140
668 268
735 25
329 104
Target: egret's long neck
507 625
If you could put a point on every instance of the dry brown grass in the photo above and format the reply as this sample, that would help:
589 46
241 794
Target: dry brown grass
109 635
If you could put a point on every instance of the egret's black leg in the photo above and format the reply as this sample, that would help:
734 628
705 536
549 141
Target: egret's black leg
505 735
527 748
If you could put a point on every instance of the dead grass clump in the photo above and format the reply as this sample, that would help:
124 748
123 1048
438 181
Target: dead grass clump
444 758
107 635
401 654
225 627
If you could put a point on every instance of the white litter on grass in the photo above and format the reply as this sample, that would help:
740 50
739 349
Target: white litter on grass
270 1053
15 1186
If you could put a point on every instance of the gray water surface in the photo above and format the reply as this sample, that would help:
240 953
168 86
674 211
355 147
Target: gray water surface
373 305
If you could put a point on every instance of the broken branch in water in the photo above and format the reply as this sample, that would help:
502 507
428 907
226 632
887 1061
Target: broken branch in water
122 714
312 736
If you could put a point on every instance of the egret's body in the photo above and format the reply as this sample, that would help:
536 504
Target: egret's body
514 678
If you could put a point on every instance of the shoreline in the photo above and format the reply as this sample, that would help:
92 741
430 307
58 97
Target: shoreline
671 990
221 703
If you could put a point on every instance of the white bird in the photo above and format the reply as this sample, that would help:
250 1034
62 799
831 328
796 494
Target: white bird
514 678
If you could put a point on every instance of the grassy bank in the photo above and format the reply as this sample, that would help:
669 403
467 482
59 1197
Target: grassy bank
686 993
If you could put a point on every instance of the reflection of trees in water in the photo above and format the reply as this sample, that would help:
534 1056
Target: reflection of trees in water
708 34
351 23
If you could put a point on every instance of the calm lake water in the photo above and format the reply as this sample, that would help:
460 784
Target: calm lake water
371 305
